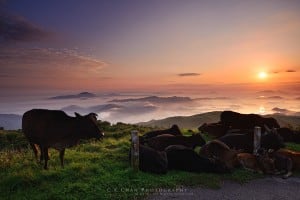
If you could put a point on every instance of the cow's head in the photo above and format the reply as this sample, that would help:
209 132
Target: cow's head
203 127
230 158
272 140
88 126
271 122
175 129
198 140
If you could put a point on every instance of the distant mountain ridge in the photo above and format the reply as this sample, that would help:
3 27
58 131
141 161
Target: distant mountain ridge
155 99
82 95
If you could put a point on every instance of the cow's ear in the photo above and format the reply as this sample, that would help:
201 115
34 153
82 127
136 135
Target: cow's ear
77 114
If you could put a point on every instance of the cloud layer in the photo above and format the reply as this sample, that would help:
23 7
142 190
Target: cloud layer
19 66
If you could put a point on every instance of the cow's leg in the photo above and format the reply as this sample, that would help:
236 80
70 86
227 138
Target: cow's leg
42 157
61 156
35 151
42 154
45 152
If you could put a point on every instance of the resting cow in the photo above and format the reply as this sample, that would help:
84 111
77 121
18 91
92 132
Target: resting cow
186 159
260 163
160 143
234 120
294 155
53 128
215 130
174 130
283 163
289 135
151 160
245 141
218 150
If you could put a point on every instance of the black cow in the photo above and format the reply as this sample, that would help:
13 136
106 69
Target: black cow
289 135
215 130
174 130
234 120
270 140
53 128
161 142
186 159
151 160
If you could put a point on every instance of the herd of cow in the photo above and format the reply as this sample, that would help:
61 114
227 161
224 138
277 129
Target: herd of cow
162 150
232 147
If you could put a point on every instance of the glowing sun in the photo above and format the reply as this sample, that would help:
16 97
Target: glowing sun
262 75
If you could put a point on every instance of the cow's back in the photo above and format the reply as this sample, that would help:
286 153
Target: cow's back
39 125
238 141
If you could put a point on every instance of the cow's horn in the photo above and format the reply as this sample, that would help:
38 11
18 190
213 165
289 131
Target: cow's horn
77 114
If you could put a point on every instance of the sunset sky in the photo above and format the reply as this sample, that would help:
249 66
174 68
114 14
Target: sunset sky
120 45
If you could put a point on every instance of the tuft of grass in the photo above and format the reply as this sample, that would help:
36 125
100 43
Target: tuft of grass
293 146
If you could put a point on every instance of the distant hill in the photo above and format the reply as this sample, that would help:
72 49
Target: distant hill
192 122
195 121
10 121
82 95
283 111
155 99
287 120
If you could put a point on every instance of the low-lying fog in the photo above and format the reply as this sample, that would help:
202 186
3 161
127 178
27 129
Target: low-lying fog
132 108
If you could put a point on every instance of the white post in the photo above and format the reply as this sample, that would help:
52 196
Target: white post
135 150
256 139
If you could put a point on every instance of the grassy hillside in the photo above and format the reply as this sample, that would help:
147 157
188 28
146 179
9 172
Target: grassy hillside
194 121
191 122
287 120
93 170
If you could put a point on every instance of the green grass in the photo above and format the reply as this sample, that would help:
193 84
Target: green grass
93 170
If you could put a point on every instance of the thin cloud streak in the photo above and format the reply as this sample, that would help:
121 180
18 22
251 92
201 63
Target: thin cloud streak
290 70
188 74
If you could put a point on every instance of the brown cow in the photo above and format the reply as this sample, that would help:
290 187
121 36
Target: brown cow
53 128
160 143
257 163
283 163
294 155
218 150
